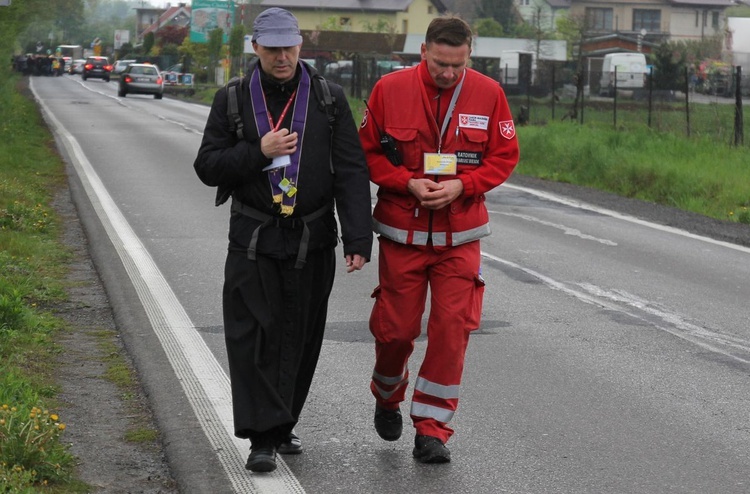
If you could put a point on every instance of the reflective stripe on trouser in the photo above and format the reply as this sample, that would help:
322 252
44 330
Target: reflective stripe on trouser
405 274
439 239
385 387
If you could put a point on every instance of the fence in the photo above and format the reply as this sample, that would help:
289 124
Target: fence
691 102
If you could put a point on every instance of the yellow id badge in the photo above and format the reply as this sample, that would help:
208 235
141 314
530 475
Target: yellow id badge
440 164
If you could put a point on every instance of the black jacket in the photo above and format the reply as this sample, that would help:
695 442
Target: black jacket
227 162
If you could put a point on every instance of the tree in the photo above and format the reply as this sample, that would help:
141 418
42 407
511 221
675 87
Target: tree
488 27
381 26
572 30
215 41
503 11
148 42
173 35
236 47
669 67
195 59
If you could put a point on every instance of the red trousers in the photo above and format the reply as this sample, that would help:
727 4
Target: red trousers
455 287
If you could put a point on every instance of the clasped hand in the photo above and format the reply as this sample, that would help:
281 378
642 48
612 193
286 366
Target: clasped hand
435 195
278 143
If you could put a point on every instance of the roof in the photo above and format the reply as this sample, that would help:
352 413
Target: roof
365 5
167 16
712 3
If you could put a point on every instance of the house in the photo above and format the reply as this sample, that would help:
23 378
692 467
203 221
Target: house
384 16
150 20
652 21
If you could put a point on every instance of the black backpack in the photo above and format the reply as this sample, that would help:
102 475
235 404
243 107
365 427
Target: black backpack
326 102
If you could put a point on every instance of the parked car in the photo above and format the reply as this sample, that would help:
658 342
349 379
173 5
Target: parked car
76 66
632 72
96 67
141 78
339 72
121 65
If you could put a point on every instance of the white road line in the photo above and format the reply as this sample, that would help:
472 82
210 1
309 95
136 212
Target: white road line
673 323
203 380
565 229
625 217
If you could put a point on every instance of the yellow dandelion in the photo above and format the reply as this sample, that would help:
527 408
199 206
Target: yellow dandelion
36 427
61 427
5 407
2 421
54 417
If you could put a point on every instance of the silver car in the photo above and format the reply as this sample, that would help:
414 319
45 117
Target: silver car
141 78
76 66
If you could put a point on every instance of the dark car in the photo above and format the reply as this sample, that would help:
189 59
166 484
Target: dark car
141 78
96 67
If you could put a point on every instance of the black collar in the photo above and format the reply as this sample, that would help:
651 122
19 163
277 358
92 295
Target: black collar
271 85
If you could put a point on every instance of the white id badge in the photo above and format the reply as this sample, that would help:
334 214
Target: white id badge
278 162
440 163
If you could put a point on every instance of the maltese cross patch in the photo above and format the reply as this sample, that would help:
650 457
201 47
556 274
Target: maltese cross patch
507 129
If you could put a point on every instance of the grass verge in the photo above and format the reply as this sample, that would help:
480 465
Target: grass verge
34 263
694 174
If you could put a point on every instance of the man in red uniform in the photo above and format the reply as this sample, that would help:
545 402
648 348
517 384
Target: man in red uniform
437 138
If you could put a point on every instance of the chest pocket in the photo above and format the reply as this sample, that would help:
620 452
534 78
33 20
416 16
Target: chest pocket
473 139
408 146
470 147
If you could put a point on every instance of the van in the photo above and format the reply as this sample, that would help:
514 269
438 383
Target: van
632 72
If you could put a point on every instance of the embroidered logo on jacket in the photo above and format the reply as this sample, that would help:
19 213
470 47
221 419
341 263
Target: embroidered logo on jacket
473 121
507 129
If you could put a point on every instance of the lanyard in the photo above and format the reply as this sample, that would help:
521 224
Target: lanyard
451 107
283 181
283 113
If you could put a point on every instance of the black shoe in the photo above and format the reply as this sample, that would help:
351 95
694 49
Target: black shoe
262 459
428 449
388 423
291 445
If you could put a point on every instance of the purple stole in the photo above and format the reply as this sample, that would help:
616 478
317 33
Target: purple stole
283 181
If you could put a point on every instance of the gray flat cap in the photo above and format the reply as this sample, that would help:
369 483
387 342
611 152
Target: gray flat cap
276 27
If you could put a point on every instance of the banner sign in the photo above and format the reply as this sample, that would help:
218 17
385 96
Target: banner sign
122 36
208 15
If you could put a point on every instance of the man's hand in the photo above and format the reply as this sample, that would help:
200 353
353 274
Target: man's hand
354 262
434 195
278 143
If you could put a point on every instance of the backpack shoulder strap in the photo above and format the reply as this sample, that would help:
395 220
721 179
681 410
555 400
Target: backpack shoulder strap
325 100
233 107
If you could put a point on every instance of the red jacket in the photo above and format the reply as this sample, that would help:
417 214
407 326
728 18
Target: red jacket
480 132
